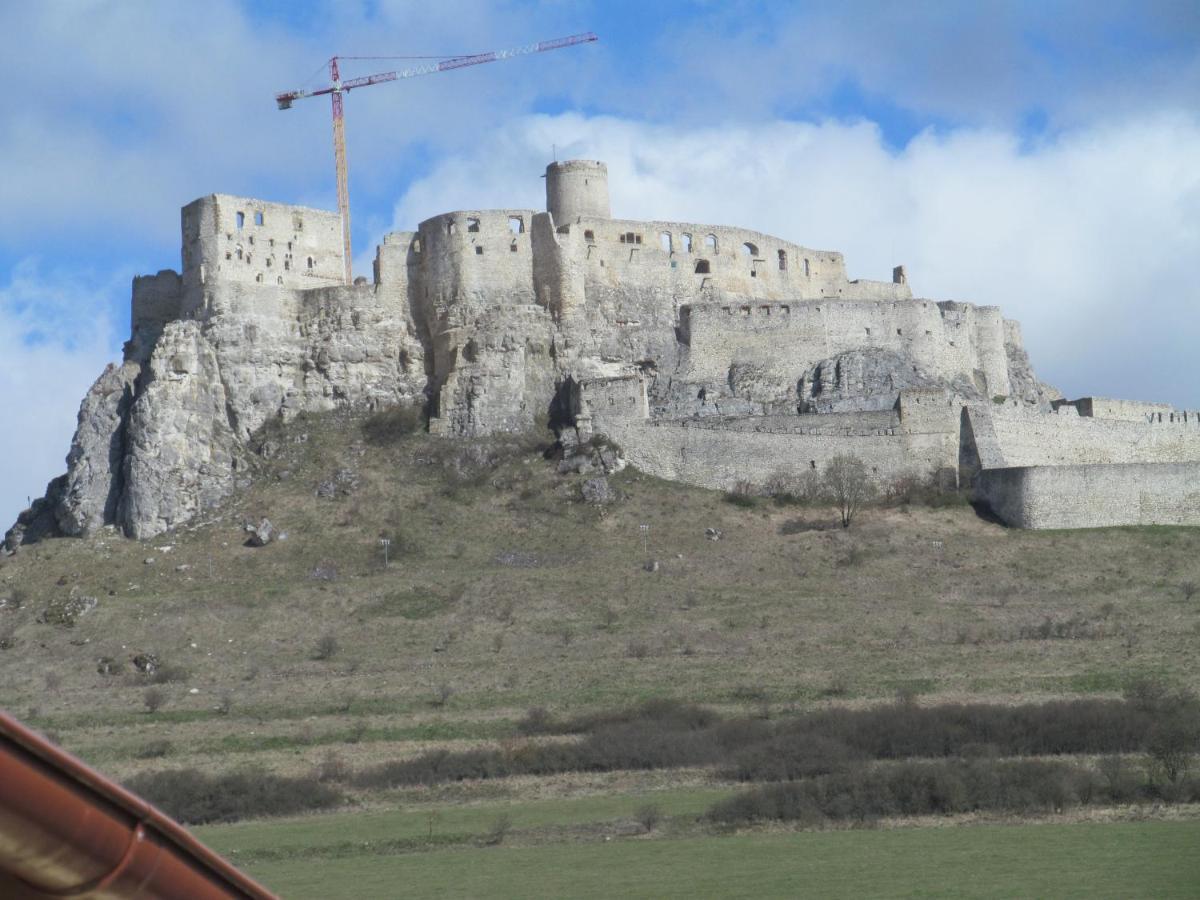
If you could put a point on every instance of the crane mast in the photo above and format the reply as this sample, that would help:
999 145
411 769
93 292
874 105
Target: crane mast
337 88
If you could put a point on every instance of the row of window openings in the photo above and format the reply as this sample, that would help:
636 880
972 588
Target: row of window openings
287 263
270 241
516 224
667 242
297 221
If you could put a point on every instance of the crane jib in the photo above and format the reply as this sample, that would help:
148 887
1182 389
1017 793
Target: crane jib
338 88
461 61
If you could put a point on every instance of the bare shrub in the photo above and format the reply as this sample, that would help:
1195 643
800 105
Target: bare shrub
326 647
1188 589
225 703
331 768
649 815
848 485
358 731
389 425
154 749
195 797
154 698
608 617
743 494
1172 744
499 830
637 649
536 721
442 695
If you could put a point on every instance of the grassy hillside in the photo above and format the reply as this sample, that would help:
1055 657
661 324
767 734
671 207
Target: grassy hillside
505 591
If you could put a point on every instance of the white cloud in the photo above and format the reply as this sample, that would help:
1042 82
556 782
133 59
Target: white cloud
1088 240
55 339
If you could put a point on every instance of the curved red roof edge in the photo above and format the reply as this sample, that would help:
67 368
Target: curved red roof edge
67 831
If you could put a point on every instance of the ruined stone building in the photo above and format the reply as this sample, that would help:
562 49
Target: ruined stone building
710 354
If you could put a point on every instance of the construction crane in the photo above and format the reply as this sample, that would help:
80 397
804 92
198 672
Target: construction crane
337 88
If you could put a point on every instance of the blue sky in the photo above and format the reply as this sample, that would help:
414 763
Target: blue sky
1038 156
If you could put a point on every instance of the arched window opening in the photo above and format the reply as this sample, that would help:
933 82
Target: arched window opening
310 263
472 224
279 279
258 277
451 227
702 267
516 224
287 265
241 220
807 270
665 240
711 242
268 262
258 218
782 260
749 249
589 236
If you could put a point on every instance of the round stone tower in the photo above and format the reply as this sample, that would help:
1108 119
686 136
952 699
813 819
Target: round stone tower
577 187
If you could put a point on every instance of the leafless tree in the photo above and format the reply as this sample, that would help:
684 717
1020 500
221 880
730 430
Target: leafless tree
848 485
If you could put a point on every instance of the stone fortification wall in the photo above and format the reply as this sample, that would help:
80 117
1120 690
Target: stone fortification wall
1011 435
1127 410
683 259
1093 496
953 341
720 456
157 300
238 239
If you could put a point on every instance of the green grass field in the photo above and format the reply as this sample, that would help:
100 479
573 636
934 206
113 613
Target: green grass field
1118 860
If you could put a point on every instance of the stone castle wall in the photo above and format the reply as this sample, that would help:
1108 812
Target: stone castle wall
1094 496
947 340
1010 435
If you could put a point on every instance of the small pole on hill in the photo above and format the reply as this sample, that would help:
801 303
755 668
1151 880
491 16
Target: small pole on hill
385 543
645 530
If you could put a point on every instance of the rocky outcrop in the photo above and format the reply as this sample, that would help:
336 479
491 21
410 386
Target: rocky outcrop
183 453
866 380
92 489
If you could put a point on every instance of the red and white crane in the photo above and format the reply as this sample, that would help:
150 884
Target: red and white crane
337 88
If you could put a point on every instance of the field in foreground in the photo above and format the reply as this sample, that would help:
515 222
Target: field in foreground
505 591
1123 859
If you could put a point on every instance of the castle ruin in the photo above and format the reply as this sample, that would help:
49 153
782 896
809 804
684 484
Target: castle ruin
712 355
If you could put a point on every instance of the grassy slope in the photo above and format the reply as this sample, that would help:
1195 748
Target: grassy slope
938 602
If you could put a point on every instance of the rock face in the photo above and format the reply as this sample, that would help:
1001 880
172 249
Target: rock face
94 464
182 451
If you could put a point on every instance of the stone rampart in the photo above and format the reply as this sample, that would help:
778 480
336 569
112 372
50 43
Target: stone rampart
721 454
1093 496
1011 435
947 340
